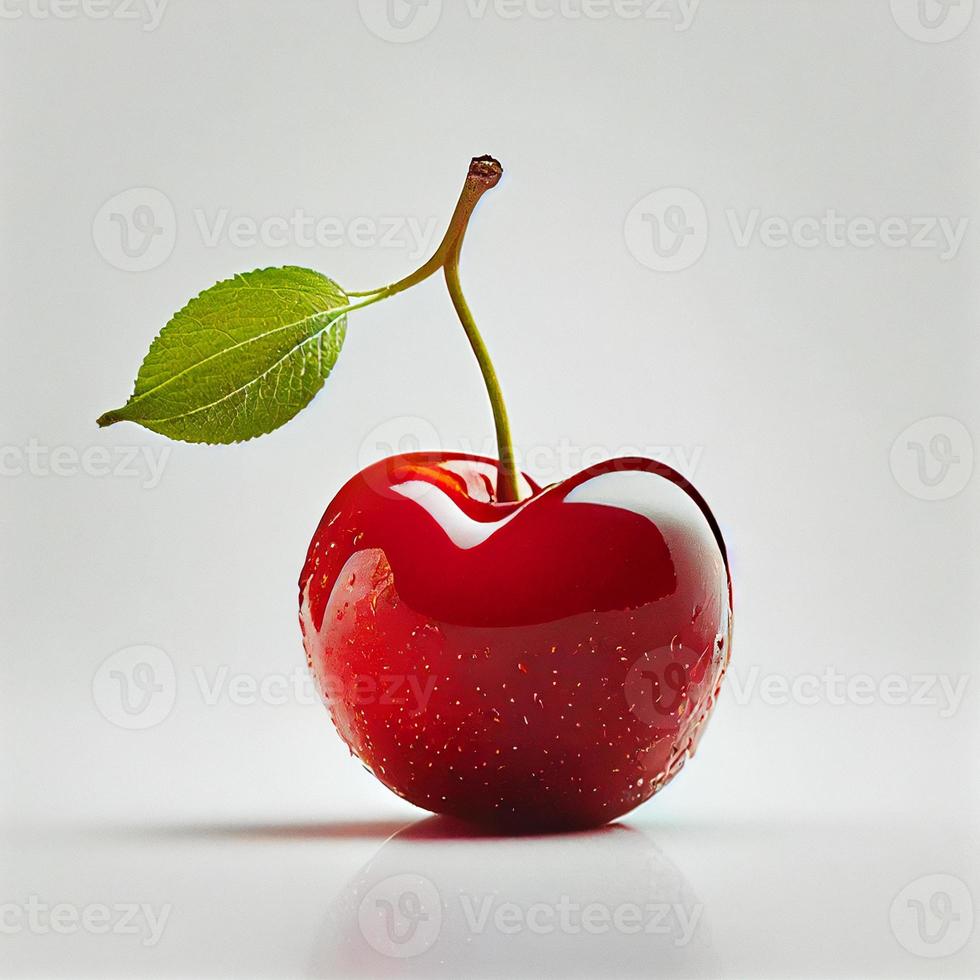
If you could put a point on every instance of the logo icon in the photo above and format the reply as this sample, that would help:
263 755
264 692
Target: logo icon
933 458
656 687
136 687
667 231
932 21
136 230
397 436
401 916
404 434
400 21
933 916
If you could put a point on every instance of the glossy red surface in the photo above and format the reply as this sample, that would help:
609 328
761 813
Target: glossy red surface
544 664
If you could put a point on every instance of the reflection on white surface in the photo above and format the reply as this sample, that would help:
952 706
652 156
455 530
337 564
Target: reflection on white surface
713 898
440 897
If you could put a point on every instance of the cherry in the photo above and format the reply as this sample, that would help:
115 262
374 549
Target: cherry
540 664
523 656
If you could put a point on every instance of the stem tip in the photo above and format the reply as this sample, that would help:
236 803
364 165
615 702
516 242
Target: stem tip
486 170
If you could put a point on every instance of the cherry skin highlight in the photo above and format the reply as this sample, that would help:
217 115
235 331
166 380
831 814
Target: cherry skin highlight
542 664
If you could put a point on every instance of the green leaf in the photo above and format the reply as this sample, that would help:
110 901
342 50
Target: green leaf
241 359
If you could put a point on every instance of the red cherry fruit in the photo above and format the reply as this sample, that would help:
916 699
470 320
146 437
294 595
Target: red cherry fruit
543 664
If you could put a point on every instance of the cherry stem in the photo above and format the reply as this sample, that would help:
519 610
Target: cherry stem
484 173
508 482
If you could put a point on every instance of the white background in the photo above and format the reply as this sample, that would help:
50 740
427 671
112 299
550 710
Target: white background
784 377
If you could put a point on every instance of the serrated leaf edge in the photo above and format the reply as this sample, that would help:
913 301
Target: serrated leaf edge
202 408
